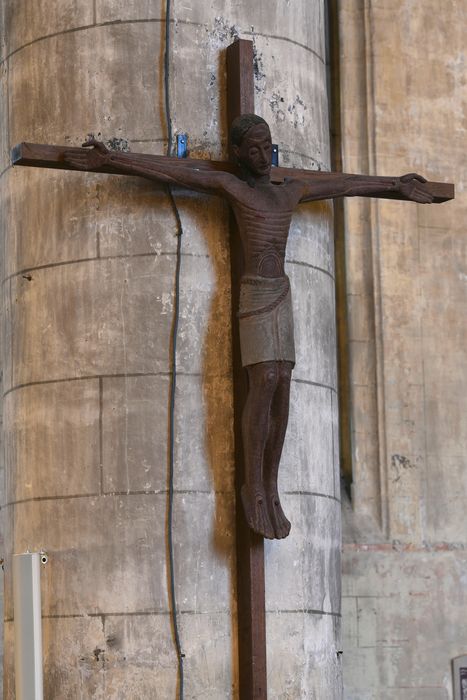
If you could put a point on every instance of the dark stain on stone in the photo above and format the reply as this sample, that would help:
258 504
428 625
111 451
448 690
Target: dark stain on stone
399 464
112 640
258 68
27 277
97 653
223 31
118 144
296 110
276 103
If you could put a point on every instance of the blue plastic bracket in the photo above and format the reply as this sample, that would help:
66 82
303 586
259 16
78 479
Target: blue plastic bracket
275 155
182 145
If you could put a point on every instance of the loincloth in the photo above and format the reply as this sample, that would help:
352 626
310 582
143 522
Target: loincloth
266 320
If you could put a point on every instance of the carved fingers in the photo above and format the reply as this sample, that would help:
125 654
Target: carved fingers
412 176
98 145
411 186
416 192
95 157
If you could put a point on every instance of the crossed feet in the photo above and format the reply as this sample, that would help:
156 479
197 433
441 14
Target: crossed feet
263 511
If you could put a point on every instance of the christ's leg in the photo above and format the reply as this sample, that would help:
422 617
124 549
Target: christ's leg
262 379
272 454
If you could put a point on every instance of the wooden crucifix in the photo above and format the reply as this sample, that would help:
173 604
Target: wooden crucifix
262 201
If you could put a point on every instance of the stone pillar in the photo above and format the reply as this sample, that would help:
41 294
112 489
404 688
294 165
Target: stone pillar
88 299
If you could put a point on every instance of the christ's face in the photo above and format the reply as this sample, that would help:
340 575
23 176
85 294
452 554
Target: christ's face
255 150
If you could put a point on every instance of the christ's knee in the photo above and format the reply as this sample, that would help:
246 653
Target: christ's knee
263 378
284 373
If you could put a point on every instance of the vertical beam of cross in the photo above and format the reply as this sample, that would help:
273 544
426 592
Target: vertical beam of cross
250 546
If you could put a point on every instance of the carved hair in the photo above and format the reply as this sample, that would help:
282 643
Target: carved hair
241 125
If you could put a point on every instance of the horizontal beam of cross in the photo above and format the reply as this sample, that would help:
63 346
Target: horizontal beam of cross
44 156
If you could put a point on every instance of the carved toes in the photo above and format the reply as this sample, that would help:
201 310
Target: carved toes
256 512
279 522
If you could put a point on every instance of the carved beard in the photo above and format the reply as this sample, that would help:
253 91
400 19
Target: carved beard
247 175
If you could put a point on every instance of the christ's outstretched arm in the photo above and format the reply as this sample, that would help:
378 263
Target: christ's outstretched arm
410 185
157 168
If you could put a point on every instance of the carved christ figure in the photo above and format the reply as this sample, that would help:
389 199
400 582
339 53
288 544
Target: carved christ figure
263 212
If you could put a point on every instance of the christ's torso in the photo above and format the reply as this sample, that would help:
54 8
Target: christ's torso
263 216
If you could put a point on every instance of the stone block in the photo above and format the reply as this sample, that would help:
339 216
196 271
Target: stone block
398 314
52 440
404 368
388 629
405 416
135 217
441 242
44 104
74 661
92 318
307 462
63 231
204 342
120 541
121 11
362 362
449 433
209 663
4 144
139 657
140 660
25 24
364 408
360 310
360 672
5 197
303 665
398 243
443 223
365 462
204 536
314 319
349 623
201 86
446 494
336 445
223 21
204 448
359 262
299 125
7 335
367 621
135 434
444 298
310 239
416 692
302 573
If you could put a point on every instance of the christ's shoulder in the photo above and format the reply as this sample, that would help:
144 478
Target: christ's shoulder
293 182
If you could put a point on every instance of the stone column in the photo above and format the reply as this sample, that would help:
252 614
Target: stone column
88 299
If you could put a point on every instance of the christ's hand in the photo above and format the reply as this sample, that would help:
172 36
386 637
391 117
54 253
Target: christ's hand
96 157
409 185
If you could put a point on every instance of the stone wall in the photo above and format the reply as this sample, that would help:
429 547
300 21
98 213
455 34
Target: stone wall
404 586
88 274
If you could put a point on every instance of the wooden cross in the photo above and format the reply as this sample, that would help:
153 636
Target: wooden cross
250 550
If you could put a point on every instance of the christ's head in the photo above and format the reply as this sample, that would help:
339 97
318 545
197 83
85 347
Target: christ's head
251 145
